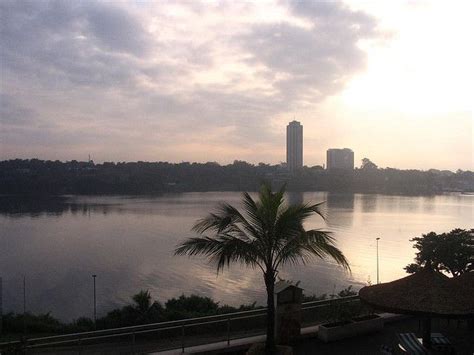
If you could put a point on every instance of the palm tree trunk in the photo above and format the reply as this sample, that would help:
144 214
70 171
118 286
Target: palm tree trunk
270 286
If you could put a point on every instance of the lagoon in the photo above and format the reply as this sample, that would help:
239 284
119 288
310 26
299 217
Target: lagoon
128 242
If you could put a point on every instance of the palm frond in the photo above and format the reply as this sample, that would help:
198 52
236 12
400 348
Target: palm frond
316 208
198 245
221 250
270 204
310 244
225 216
212 221
252 227
291 218
323 243
266 234
235 250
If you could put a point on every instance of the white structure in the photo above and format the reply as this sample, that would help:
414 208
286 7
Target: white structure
294 146
340 159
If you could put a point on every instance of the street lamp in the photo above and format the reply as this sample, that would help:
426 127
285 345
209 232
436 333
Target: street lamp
1 305
378 280
24 305
95 304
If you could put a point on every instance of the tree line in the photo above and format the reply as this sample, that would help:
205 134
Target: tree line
142 309
34 176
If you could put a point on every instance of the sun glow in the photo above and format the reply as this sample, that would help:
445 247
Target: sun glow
412 73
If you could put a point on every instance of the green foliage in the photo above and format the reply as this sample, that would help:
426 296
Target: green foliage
41 323
81 324
451 252
346 292
244 307
143 310
337 312
190 307
142 301
367 164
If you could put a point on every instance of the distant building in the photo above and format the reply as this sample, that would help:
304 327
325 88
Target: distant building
294 146
340 159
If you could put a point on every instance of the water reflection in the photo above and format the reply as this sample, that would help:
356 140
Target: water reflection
428 203
340 209
368 202
294 197
129 241
20 206
340 200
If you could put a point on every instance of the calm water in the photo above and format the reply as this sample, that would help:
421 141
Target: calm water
128 242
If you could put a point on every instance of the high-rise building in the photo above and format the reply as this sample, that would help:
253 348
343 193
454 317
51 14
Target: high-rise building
294 146
340 159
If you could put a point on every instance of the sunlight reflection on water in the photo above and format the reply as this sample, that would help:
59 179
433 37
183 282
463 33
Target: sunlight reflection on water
128 242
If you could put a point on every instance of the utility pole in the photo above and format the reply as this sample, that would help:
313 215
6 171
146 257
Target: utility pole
95 304
1 305
24 305
378 279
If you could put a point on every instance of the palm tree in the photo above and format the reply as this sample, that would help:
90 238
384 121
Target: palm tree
267 235
142 301
145 310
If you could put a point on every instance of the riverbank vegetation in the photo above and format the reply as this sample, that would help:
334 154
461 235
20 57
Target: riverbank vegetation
141 310
34 176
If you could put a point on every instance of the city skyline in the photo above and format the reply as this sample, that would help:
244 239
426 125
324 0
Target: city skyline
204 82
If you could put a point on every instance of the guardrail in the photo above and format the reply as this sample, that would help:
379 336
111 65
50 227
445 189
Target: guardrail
181 333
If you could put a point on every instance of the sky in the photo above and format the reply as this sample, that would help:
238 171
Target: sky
220 80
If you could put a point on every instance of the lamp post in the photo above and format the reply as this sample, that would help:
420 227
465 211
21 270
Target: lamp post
378 280
1 305
24 305
95 304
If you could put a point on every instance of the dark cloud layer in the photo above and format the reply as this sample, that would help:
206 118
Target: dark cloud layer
51 42
316 61
74 67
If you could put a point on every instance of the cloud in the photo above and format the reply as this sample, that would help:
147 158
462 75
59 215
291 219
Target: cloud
146 73
308 63
57 44
13 113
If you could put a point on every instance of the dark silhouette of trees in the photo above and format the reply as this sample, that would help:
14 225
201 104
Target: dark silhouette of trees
190 307
451 252
266 235
143 310
367 164
44 177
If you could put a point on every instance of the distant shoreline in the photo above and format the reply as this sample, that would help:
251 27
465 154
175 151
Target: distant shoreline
38 177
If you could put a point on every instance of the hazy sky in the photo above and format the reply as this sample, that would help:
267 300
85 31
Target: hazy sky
219 81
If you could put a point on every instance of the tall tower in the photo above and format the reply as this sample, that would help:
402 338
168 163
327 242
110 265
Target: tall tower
294 146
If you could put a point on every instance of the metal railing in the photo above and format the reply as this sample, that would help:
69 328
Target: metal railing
180 333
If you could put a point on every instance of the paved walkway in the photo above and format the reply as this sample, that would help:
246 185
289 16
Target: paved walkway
307 332
458 333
